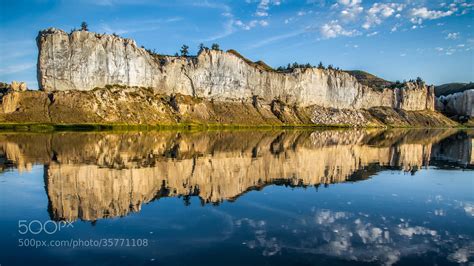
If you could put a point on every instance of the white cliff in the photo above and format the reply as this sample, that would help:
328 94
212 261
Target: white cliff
84 60
460 103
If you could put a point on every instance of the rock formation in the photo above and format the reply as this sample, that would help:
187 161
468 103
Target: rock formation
18 86
13 86
457 104
85 60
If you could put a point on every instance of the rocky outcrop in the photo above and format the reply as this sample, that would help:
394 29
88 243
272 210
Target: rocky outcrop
457 104
9 95
18 86
84 60
13 86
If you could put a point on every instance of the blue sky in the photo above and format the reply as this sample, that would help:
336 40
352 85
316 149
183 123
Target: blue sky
395 40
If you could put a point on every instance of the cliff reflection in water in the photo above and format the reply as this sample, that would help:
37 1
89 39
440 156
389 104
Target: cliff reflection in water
91 176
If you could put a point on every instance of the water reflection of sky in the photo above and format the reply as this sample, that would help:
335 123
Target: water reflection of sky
393 217
385 219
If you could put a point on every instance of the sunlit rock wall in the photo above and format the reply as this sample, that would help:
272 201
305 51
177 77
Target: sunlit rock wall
84 60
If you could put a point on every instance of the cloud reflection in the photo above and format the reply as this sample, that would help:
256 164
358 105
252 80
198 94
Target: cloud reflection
357 237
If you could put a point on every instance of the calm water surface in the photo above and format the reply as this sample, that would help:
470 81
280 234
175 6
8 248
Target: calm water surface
399 197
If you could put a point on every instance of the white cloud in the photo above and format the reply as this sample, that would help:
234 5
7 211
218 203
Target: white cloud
350 2
351 13
243 25
239 23
264 6
469 208
333 29
372 34
452 36
370 234
327 217
379 12
449 50
251 24
351 9
461 255
422 13
261 12
334 6
417 230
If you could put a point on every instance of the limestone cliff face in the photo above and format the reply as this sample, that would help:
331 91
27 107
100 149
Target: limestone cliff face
461 103
84 60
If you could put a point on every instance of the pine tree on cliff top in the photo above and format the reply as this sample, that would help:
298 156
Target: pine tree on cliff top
215 46
201 48
84 26
184 50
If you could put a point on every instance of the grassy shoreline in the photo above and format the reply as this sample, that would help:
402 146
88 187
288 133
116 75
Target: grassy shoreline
176 126
42 127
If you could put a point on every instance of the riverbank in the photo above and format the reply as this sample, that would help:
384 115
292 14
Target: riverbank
142 108
39 127
47 127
